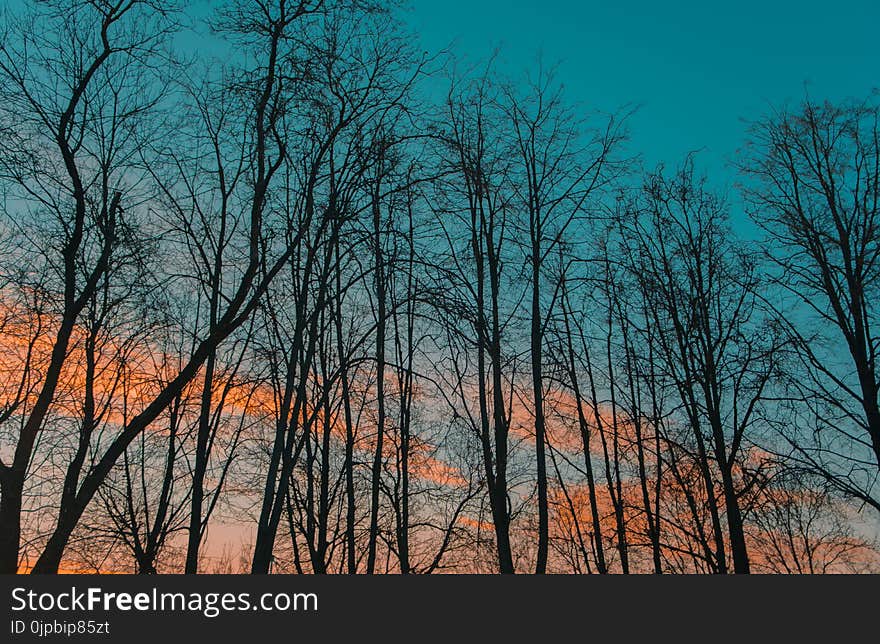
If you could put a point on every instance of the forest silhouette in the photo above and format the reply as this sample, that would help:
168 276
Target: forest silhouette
290 309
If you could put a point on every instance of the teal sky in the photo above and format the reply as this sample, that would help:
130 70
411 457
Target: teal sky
696 69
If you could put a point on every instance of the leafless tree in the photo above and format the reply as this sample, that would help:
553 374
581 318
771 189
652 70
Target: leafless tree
812 176
716 343
71 80
563 163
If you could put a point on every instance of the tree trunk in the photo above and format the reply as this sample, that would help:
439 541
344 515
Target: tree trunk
376 475
537 342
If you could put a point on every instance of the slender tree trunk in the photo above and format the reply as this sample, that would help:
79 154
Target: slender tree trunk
10 519
738 548
636 417
405 380
381 313
194 540
322 542
537 342
584 426
350 502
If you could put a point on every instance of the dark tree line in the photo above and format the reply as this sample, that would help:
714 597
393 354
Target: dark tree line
283 309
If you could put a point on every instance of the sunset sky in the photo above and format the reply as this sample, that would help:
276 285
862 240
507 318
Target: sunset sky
331 286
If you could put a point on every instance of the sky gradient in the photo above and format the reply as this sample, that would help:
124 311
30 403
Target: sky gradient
394 346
